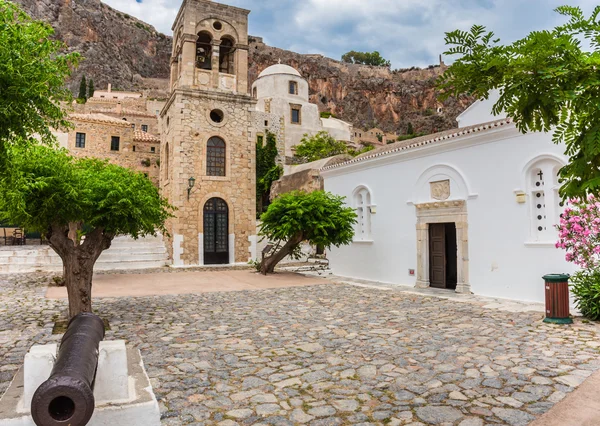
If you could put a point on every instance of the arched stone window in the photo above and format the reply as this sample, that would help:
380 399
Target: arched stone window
204 51
215 157
226 56
362 206
545 204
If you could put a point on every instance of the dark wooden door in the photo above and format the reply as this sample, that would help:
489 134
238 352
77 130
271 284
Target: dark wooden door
216 232
437 255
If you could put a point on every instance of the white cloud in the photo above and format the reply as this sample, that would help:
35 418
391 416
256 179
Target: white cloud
408 32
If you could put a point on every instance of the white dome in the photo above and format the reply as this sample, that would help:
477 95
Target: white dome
279 69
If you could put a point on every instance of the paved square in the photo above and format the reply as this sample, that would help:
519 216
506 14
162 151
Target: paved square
325 355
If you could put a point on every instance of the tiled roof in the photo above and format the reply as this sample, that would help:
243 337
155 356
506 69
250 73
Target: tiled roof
99 118
124 111
142 136
423 141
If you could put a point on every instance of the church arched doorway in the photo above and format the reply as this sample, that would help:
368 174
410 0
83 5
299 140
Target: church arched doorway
216 232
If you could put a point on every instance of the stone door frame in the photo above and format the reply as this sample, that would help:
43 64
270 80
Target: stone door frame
443 212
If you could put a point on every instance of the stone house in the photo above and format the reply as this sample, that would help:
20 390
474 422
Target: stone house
474 211
113 139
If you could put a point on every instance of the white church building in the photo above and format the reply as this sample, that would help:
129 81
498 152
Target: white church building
283 108
471 209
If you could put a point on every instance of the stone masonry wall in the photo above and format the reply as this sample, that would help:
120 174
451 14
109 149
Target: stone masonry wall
97 144
186 127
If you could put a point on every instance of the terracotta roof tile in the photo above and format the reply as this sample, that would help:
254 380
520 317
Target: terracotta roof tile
99 118
142 136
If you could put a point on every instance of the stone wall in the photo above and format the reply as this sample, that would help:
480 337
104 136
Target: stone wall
186 128
98 143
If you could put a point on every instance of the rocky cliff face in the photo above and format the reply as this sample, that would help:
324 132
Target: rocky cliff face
117 48
132 55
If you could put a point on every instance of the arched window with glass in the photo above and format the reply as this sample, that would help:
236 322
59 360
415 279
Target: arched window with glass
216 150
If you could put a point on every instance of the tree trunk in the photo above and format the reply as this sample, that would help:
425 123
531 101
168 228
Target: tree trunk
269 263
78 262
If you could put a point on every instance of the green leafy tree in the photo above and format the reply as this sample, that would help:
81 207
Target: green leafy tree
319 217
82 90
365 58
33 70
321 145
548 81
364 149
91 89
267 170
80 205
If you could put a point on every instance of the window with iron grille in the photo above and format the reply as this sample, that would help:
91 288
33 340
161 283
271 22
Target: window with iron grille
115 141
215 157
80 140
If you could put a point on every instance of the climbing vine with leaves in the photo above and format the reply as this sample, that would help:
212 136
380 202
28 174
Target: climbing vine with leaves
267 170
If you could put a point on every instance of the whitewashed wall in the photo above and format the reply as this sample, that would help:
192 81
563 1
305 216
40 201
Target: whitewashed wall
503 260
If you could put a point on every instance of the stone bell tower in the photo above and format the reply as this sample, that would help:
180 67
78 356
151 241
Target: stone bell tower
208 156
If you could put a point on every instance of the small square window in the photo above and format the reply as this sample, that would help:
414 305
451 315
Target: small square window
266 123
144 127
80 140
152 149
295 115
115 141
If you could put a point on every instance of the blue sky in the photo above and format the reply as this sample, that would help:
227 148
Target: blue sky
407 32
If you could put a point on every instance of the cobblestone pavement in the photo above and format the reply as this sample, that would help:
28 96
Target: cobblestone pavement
325 355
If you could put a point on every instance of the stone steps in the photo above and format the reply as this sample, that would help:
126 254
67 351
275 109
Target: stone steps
125 254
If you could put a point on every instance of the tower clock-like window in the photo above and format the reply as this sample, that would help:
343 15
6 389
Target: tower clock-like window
204 51
215 157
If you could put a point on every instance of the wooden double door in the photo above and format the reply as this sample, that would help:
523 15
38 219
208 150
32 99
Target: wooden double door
443 264
216 232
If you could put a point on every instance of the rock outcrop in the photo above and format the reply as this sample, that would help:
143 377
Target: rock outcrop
117 48
132 55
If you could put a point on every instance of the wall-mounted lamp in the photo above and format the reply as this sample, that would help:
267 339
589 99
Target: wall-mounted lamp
191 183
521 197
373 209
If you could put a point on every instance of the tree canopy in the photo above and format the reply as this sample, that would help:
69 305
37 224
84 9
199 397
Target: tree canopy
365 58
32 75
321 145
46 186
319 217
548 81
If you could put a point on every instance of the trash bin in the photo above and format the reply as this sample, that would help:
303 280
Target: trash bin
557 299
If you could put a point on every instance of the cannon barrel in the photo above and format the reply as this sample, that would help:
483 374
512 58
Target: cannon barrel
67 397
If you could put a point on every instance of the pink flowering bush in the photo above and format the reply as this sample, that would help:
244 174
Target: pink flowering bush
579 235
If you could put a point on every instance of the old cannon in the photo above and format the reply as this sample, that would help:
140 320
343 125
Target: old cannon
67 397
